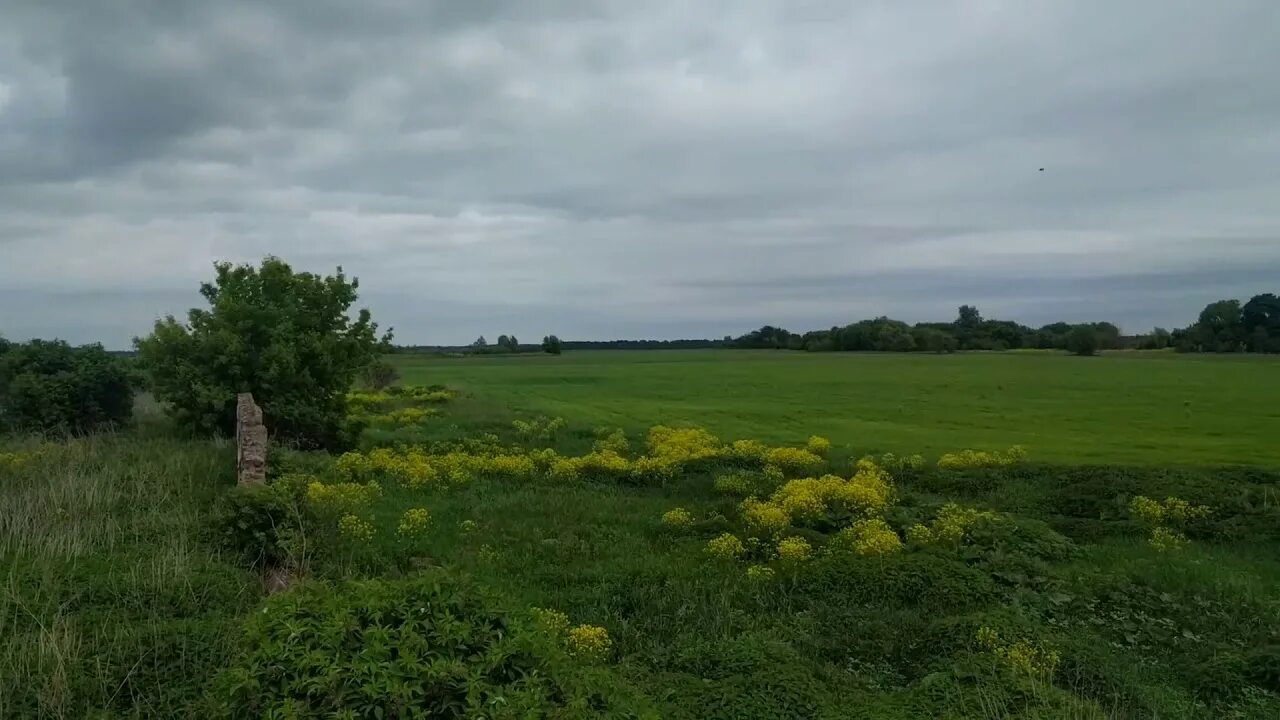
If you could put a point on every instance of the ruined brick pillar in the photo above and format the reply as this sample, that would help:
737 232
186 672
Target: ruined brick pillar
251 442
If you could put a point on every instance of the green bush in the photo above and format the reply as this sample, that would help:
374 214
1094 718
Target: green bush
431 646
260 523
284 336
49 386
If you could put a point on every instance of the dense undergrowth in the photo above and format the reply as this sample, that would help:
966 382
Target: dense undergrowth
543 569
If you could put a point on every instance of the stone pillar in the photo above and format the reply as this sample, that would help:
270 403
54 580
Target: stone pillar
251 442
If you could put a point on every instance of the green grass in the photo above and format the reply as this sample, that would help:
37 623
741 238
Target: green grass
116 602
1132 407
111 602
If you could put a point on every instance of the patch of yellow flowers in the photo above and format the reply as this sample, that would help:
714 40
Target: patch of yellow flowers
1019 656
867 538
353 527
950 527
342 498
1164 517
414 523
590 642
725 547
794 550
966 459
677 518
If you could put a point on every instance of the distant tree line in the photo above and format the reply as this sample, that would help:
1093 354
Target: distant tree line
969 331
1227 326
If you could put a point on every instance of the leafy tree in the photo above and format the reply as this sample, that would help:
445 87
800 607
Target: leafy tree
503 341
767 337
480 342
969 317
513 343
284 336
49 386
1083 340
551 344
1261 320
1220 327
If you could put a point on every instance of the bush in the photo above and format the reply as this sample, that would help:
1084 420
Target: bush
49 386
380 375
429 646
1083 341
259 522
286 337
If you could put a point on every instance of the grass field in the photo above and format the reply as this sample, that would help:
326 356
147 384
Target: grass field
896 588
1142 408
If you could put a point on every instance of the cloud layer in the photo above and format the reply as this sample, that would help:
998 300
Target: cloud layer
656 169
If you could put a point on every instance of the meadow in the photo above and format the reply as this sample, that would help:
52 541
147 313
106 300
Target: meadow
673 535
1123 407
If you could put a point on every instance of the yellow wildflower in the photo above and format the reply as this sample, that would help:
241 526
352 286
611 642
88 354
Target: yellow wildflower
589 641
818 445
763 518
552 622
1165 540
355 528
759 573
677 518
869 538
725 547
794 549
414 522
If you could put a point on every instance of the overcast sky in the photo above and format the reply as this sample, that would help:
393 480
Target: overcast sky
640 169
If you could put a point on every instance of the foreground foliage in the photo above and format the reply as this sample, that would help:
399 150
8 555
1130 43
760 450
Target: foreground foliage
547 569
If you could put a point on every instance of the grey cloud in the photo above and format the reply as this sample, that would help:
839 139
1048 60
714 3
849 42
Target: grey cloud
621 169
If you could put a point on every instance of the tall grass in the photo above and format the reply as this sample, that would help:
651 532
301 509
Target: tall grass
110 600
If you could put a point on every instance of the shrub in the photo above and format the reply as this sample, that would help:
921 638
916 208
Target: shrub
259 522
1083 340
430 646
286 337
794 462
794 550
380 375
49 386
725 547
677 518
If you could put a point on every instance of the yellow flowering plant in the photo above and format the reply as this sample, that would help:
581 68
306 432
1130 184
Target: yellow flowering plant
678 518
353 527
590 642
794 550
867 538
725 547
414 523
818 445
759 573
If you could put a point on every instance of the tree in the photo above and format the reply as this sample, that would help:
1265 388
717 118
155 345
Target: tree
513 343
1260 318
969 317
551 344
480 342
284 336
503 341
49 386
1220 327
1083 340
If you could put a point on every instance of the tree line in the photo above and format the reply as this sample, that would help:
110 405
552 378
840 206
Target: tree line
969 331
1223 326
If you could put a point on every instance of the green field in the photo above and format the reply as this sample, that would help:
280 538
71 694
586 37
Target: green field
1118 573
1140 408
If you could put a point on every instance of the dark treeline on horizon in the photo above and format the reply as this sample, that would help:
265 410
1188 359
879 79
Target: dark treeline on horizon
1223 326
